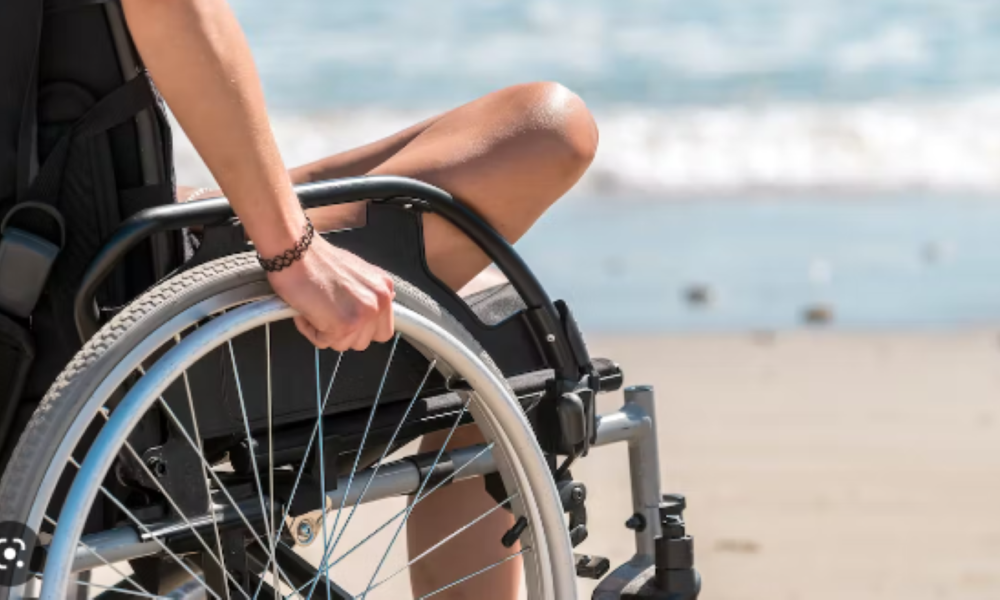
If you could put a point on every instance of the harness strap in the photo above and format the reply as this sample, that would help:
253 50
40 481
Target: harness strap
20 34
114 109
57 5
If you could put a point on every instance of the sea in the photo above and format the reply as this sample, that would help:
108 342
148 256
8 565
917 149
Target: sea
764 164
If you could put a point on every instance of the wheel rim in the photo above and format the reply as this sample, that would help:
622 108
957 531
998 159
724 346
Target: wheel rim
548 573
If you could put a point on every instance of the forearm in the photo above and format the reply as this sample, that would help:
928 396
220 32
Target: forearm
200 61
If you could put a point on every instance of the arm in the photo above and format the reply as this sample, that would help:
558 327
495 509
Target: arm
200 61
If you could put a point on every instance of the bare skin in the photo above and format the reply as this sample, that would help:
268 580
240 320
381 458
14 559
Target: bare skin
509 156
199 59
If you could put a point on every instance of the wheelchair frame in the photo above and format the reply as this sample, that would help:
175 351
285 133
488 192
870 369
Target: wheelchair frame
661 549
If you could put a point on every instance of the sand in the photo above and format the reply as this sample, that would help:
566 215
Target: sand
822 465
817 465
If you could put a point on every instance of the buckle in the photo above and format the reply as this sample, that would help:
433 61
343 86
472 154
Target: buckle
26 260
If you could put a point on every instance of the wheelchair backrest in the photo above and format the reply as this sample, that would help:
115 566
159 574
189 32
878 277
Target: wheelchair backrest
84 144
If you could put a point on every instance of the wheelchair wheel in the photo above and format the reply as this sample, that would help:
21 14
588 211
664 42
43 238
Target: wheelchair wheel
227 514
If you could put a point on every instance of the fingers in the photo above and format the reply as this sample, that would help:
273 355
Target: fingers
384 326
377 328
364 336
309 332
345 309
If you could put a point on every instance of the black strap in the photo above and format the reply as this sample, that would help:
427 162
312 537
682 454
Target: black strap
20 34
57 5
114 109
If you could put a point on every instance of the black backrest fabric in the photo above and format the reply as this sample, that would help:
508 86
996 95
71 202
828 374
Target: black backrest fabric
20 27
97 167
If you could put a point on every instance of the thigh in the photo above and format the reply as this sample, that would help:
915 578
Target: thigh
508 155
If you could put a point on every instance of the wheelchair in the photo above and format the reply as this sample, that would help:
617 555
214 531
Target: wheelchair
199 447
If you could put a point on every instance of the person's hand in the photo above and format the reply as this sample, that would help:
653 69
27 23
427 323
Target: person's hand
344 303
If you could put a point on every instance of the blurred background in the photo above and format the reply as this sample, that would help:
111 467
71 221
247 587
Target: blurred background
791 228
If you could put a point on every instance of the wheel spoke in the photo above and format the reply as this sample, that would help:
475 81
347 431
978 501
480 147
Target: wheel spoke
106 588
476 574
417 500
222 488
262 517
184 517
409 509
201 452
153 537
450 537
219 560
298 476
322 457
329 549
250 441
270 459
361 449
91 550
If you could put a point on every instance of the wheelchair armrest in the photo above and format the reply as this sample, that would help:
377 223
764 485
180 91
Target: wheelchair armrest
543 320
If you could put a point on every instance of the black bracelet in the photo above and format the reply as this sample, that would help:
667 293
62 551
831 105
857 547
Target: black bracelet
286 258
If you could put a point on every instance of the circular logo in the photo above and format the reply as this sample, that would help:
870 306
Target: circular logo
18 544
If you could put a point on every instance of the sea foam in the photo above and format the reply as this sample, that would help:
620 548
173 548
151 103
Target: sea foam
772 149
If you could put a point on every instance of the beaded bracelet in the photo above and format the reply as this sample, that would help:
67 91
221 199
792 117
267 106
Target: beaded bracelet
286 258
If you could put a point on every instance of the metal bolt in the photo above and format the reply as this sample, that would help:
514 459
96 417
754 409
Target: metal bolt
578 494
636 522
156 466
550 338
305 533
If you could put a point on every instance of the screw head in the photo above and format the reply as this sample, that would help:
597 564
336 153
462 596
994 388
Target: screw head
550 338
636 522
157 466
305 533
578 494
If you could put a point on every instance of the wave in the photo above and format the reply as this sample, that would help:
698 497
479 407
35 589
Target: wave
776 149
654 52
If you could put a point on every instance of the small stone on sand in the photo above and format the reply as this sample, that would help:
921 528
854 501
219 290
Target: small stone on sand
819 314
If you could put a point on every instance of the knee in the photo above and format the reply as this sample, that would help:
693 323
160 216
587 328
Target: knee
558 121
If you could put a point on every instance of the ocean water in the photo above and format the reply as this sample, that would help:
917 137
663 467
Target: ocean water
753 142
870 263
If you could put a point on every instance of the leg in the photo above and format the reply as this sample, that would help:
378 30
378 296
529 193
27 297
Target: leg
509 156
446 511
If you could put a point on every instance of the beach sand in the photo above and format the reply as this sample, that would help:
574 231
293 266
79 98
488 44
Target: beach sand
817 465
821 465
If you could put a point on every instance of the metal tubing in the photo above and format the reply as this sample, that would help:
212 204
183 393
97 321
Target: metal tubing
629 424
634 423
644 470
113 546
393 479
216 211
403 478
